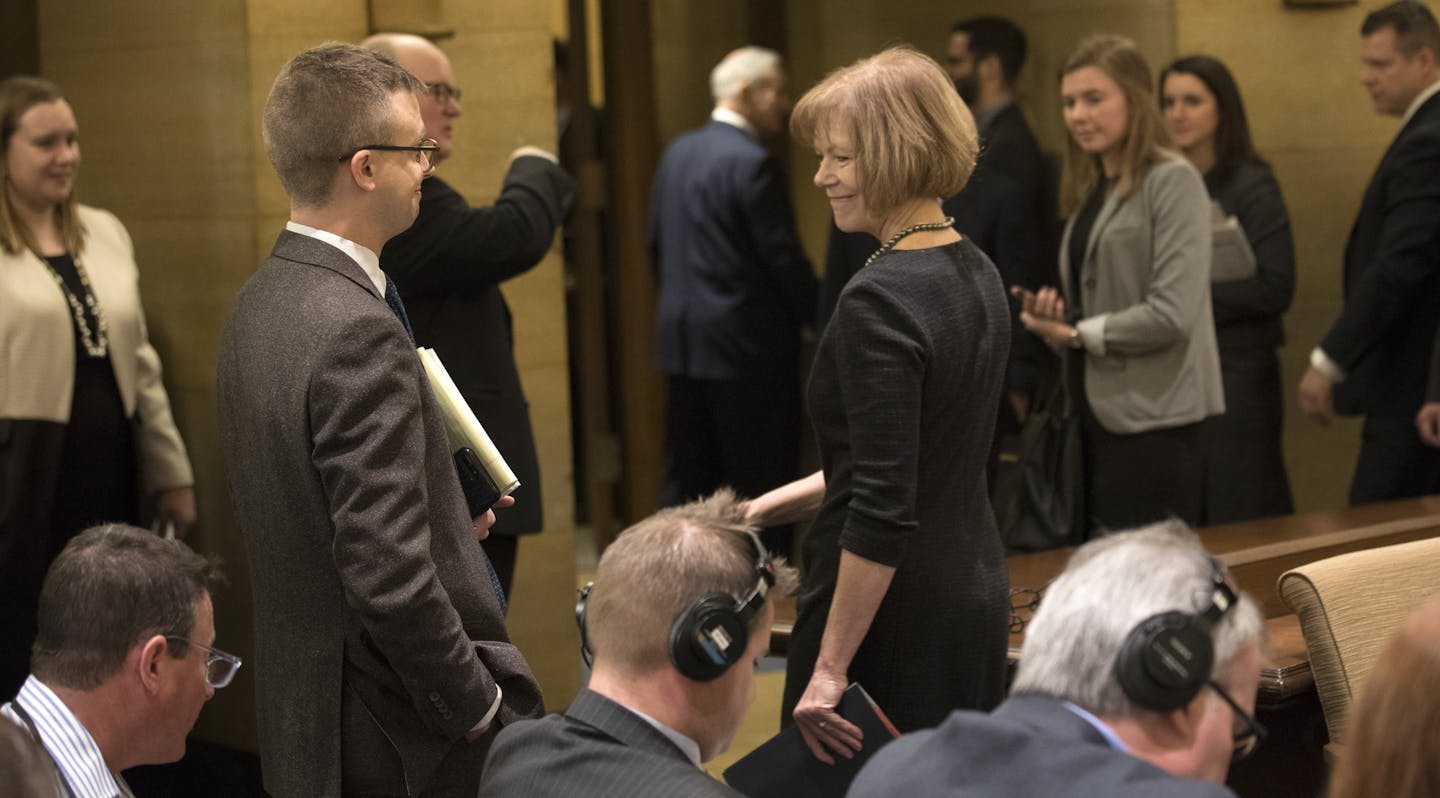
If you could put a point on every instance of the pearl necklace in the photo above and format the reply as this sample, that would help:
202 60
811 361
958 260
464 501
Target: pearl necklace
949 221
97 341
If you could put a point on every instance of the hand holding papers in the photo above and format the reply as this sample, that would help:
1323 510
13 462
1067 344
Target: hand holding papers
484 476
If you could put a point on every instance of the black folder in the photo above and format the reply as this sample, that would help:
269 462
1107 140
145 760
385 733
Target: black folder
783 767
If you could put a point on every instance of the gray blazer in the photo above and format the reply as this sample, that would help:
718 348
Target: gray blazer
1151 360
369 586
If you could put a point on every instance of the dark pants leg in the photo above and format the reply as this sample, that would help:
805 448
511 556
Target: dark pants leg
744 434
502 550
1143 477
1393 462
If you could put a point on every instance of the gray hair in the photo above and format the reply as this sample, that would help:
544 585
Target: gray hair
741 68
1107 589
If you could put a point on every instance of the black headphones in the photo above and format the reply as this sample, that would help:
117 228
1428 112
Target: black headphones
1166 660
712 635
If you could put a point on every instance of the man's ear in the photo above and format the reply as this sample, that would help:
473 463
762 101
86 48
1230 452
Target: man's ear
362 170
145 660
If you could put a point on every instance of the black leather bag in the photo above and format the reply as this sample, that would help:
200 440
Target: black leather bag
1039 493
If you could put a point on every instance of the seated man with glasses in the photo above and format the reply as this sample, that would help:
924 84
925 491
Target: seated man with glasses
1137 678
124 658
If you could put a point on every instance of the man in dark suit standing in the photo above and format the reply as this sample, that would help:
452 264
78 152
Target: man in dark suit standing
1138 680
659 702
735 289
449 266
382 662
1375 358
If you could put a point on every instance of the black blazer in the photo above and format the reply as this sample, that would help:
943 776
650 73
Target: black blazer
448 267
1392 278
1030 746
598 749
735 286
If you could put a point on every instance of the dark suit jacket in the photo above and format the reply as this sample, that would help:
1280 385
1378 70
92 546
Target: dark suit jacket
1030 746
735 286
598 748
448 267
1392 278
366 570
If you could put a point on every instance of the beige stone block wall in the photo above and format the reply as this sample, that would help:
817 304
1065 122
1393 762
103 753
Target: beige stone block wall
1299 71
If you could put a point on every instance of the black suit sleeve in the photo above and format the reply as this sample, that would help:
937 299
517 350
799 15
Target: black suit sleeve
455 246
771 221
1257 203
1406 256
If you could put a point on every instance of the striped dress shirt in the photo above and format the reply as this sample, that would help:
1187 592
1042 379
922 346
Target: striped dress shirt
73 750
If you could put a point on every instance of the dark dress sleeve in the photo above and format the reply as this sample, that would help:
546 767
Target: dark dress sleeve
1253 196
881 357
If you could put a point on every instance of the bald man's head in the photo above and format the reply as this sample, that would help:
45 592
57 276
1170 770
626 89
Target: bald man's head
440 104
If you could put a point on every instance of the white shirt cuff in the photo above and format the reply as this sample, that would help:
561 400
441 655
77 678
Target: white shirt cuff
489 716
1092 333
1322 363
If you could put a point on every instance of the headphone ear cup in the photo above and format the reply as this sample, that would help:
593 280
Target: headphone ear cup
1165 661
708 638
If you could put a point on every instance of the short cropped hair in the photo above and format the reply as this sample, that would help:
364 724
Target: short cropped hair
326 102
112 587
741 68
18 95
1145 133
997 36
658 568
1109 587
1414 26
912 134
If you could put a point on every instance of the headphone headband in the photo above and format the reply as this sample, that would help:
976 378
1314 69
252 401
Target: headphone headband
712 634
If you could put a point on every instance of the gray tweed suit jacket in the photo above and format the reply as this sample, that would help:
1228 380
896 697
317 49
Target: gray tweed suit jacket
598 749
369 586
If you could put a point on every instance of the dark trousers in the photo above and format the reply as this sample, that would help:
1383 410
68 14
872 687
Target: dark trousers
744 434
502 549
370 767
1394 463
1142 477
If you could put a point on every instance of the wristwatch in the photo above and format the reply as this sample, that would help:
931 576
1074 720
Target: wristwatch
1074 341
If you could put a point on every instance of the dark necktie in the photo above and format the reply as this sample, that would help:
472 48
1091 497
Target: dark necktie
392 298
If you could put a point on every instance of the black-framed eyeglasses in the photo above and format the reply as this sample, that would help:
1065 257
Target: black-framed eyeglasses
1023 603
424 151
220 667
442 92
1249 734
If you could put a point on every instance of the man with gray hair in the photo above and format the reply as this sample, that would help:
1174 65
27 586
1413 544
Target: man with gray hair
1137 678
735 289
676 620
382 662
124 657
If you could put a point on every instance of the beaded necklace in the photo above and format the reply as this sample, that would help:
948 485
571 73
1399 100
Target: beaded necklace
96 341
948 221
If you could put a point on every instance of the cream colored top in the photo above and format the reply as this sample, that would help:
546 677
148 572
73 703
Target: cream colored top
37 346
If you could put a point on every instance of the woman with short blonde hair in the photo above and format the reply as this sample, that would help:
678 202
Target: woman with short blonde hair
905 586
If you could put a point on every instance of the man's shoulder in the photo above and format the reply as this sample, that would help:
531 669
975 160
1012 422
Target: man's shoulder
1030 747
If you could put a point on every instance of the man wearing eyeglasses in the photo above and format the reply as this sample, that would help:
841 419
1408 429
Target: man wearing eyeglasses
382 662
449 266
124 658
1137 678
